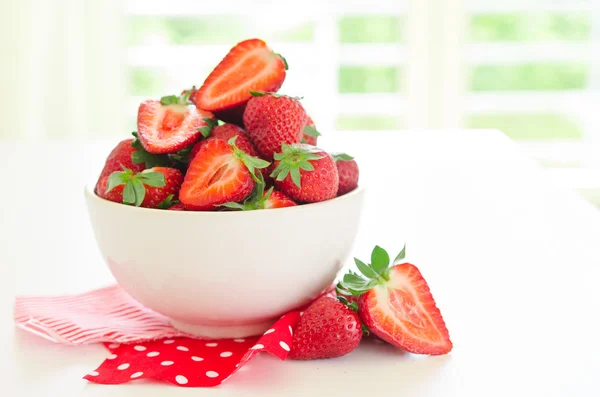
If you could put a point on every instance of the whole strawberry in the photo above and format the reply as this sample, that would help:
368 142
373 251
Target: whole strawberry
149 188
310 133
348 172
327 329
272 120
119 158
395 303
305 173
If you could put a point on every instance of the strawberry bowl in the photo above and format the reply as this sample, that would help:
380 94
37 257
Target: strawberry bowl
225 274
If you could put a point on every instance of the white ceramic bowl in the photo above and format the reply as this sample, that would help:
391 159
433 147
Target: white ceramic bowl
225 274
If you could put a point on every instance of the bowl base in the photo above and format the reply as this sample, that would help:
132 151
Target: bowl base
223 331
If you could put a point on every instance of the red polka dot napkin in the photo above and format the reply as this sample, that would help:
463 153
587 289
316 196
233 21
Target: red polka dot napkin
142 343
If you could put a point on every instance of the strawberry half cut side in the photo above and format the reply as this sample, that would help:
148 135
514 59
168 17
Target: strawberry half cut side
171 124
218 174
395 303
249 66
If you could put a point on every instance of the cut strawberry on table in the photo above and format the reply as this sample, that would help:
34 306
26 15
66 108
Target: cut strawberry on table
310 133
348 172
149 188
249 66
272 120
171 124
218 174
327 329
305 173
120 157
395 303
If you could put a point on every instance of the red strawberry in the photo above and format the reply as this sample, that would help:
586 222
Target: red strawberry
170 124
327 329
219 173
310 135
348 172
149 188
176 207
306 173
259 199
272 120
225 132
119 158
396 305
278 200
249 66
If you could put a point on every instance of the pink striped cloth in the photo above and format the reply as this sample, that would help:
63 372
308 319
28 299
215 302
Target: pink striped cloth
105 315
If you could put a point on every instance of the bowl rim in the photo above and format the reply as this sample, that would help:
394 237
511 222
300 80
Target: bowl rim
91 195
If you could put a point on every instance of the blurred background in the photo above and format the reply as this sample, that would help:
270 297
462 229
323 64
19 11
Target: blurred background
77 69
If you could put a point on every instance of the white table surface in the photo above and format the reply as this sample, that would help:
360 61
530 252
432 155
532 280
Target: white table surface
512 261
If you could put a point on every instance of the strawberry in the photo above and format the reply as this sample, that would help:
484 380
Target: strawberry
149 188
272 120
348 172
225 132
327 329
310 133
259 199
170 124
249 66
177 207
120 157
219 173
396 305
306 173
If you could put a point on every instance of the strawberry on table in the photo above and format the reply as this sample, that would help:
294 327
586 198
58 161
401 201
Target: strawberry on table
171 124
395 303
148 188
305 173
272 120
310 133
219 173
327 329
120 157
348 172
249 66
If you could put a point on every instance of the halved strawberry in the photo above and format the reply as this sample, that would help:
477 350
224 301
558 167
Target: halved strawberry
249 66
219 173
149 188
171 124
396 305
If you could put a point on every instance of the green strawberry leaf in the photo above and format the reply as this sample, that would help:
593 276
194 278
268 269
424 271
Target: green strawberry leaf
365 269
118 178
141 156
311 131
234 206
258 93
274 95
295 173
181 157
292 159
380 260
206 130
154 179
283 59
341 157
250 162
169 100
139 190
129 194
167 202
401 255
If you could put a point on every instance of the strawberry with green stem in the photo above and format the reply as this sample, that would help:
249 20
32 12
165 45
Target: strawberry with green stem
305 173
347 171
259 199
310 133
395 303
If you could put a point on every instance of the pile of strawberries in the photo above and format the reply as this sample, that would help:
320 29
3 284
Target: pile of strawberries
233 144
392 302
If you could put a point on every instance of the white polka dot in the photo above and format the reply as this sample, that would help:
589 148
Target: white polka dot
237 365
226 354
239 340
182 380
153 354
136 375
196 358
94 373
284 346
168 341
212 344
301 313
269 331
140 348
166 363
212 374
259 346
183 348
113 345
111 357
123 366
291 330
